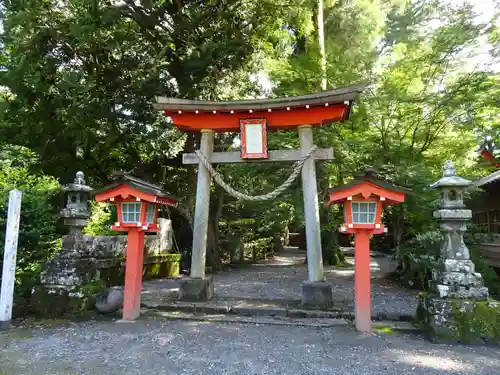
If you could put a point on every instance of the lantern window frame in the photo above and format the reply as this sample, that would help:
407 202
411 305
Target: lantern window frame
370 212
126 212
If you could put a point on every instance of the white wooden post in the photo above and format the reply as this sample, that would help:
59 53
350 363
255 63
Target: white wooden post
311 209
200 226
9 258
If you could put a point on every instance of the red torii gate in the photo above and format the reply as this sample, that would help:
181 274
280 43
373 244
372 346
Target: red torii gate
252 118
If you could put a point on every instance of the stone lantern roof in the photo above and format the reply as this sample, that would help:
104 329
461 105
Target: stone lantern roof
76 209
77 185
450 178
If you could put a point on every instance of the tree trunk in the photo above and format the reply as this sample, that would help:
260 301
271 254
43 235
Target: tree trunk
321 41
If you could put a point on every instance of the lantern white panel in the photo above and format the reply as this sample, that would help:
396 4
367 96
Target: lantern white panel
131 212
364 212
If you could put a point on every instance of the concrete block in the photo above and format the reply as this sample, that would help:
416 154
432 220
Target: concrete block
317 295
196 290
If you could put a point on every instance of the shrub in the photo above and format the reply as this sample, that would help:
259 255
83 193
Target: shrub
37 231
418 257
102 216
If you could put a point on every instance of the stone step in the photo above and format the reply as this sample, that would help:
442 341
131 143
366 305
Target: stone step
218 308
380 326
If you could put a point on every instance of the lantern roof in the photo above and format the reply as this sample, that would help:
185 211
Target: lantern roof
367 185
127 185
77 185
450 178
289 112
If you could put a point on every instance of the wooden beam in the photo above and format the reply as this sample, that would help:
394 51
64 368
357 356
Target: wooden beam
289 118
274 156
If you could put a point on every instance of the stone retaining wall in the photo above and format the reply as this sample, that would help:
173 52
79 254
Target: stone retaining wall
87 264
92 258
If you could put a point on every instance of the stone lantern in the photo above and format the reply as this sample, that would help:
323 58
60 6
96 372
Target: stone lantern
76 210
74 265
457 309
456 276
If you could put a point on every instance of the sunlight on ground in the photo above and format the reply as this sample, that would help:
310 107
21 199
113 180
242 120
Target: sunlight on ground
253 284
430 361
159 290
165 338
338 272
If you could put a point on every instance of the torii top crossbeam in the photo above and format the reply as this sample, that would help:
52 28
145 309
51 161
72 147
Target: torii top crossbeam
281 113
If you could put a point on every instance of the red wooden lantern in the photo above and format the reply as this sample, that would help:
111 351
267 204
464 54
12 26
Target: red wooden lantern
363 201
137 203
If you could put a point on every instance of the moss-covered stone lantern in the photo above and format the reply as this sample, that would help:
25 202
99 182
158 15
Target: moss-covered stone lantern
76 211
458 307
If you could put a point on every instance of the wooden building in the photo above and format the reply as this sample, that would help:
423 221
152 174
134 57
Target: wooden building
486 208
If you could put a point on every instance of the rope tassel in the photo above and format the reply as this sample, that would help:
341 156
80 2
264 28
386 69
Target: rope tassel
256 198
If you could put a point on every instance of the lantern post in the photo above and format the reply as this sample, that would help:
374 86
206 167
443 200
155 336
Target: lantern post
363 201
137 203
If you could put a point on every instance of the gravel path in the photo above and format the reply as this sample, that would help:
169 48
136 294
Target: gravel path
177 347
280 279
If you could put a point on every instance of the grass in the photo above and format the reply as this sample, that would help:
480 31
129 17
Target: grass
386 330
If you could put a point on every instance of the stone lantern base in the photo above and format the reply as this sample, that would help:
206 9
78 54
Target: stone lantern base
452 320
54 301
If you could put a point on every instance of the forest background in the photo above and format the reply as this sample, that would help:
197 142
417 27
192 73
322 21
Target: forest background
78 79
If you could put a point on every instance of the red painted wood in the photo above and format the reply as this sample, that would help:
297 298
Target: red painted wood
490 158
125 193
133 275
365 189
144 207
362 281
277 119
128 194
152 228
378 214
348 212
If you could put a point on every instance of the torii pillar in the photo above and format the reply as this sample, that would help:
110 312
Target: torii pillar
253 119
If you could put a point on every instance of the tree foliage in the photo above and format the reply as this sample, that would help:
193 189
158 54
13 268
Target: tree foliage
80 78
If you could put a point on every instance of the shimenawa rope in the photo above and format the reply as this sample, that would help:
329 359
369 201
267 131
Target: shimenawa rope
217 177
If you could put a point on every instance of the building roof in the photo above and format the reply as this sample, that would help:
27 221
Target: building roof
493 177
341 95
369 176
122 178
315 109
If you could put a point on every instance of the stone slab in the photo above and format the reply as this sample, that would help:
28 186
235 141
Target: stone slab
5 324
459 291
459 278
196 290
203 308
259 311
317 295
455 265
281 321
299 313
453 214
294 313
